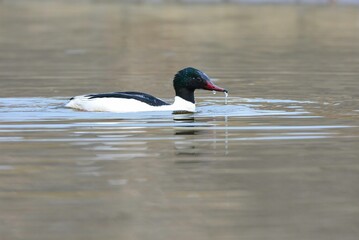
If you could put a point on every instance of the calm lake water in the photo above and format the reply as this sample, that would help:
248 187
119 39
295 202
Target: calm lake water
280 160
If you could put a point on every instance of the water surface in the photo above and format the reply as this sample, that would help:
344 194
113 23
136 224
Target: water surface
278 161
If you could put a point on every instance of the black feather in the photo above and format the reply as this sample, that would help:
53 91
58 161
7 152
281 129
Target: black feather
143 97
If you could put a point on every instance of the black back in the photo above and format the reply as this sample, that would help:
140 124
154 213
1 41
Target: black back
143 97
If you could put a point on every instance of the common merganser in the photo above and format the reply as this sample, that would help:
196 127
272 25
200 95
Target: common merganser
185 82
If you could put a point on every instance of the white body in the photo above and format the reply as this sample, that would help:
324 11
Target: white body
126 105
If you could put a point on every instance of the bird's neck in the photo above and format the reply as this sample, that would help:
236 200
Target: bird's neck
185 94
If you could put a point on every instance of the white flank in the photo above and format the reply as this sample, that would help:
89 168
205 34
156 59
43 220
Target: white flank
126 105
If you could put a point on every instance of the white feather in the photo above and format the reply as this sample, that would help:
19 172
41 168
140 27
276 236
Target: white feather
126 105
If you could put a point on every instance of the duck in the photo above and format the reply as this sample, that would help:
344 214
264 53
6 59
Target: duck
185 82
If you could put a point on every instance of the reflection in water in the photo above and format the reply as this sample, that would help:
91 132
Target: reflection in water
187 128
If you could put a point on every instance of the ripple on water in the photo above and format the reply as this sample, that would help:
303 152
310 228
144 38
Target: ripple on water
20 116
